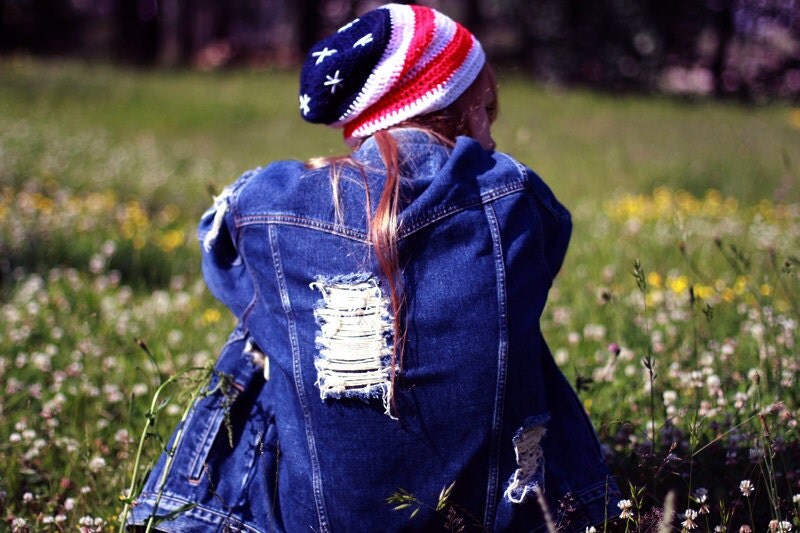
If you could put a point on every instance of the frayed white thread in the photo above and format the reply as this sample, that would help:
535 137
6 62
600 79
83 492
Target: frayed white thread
529 477
354 340
219 209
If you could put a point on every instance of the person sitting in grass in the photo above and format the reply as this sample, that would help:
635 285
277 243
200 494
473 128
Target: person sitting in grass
388 371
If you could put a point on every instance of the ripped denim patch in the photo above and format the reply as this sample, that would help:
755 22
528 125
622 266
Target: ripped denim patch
529 477
218 211
354 339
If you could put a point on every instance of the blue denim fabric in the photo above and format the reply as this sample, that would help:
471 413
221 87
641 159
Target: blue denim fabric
479 401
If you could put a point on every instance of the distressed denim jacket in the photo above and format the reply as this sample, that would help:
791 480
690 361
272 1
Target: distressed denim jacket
479 429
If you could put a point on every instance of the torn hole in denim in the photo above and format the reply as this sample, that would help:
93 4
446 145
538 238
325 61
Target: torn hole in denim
529 477
354 340
218 211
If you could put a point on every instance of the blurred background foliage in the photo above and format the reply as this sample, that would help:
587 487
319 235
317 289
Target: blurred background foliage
744 49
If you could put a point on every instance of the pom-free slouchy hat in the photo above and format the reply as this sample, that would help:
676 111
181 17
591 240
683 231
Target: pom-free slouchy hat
387 66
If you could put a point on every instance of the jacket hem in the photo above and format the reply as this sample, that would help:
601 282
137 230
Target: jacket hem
199 518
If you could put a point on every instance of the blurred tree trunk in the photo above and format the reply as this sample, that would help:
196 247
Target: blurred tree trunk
723 24
137 32
186 9
309 21
473 17
170 54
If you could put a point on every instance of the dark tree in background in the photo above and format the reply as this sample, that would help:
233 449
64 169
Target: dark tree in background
748 49
136 39
41 26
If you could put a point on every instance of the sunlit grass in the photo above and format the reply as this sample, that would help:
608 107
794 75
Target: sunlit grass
104 173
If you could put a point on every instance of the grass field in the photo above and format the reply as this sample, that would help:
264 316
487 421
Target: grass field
675 314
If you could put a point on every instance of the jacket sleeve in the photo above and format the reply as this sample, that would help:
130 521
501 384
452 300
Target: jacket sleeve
224 268
556 224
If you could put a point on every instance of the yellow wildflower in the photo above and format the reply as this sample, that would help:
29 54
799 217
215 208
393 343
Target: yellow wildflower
704 292
740 285
210 316
654 279
728 295
169 240
678 284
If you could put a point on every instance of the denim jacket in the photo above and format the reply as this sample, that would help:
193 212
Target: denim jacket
479 428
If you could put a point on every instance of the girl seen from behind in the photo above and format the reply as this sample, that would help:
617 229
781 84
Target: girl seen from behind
388 303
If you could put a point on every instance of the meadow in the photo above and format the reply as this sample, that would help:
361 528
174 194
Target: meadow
675 314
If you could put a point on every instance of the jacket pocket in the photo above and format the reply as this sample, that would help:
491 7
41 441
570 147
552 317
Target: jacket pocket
211 411
209 419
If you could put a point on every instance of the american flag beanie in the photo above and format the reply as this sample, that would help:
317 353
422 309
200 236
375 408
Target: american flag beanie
387 66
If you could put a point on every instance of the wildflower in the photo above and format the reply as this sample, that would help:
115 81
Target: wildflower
670 396
780 527
796 498
746 488
27 497
745 529
626 508
690 515
591 529
720 529
701 496
97 463
69 504
18 524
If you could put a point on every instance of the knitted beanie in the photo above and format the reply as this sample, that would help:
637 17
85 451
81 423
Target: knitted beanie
387 66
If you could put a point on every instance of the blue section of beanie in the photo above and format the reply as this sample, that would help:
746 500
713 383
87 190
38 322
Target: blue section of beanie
337 67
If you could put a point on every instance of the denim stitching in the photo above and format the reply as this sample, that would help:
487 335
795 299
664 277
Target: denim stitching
435 215
197 512
293 220
316 475
502 355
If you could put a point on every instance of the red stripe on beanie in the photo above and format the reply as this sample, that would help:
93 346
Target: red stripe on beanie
424 29
438 72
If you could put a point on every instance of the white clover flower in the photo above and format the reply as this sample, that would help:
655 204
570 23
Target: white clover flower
626 508
27 497
796 498
670 396
746 488
97 463
782 526
690 515
69 504
591 529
